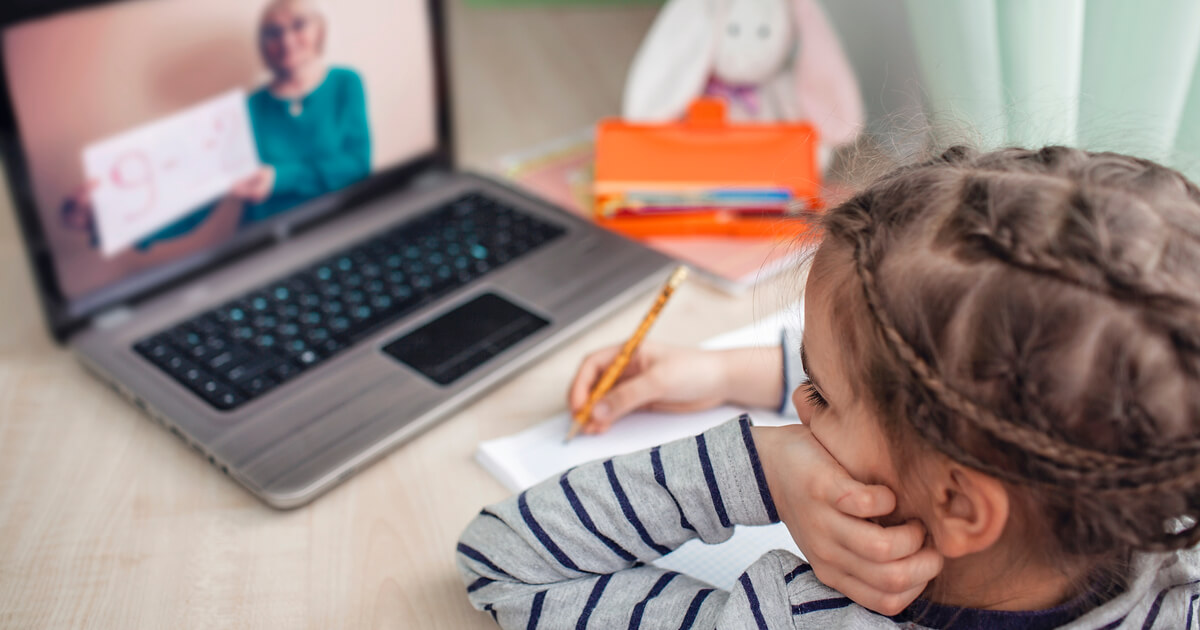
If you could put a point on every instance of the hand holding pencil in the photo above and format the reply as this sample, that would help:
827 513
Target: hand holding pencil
614 370
659 378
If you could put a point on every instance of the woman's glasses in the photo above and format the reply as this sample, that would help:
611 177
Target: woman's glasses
275 32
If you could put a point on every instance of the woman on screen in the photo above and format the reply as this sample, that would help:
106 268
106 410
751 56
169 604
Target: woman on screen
309 122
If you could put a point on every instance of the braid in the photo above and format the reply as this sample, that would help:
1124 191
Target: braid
1117 256
1177 312
1108 474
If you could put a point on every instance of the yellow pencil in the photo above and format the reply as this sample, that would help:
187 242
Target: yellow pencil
610 376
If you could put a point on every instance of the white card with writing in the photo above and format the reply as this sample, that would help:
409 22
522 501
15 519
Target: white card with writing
151 175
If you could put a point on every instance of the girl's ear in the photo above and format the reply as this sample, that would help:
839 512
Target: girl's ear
826 87
970 510
674 62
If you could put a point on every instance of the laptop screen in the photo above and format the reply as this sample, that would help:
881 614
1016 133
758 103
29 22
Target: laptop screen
155 131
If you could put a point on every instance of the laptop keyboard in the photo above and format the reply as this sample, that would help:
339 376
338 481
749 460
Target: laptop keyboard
250 345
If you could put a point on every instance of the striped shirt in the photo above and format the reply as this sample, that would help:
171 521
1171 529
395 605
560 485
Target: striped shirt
574 552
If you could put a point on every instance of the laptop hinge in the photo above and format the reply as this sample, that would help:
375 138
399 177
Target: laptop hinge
112 317
429 179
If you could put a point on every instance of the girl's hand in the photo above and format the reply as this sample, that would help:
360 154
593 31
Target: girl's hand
674 379
881 568
257 187
658 377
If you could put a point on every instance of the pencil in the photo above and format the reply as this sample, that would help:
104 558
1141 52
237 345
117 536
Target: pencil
614 370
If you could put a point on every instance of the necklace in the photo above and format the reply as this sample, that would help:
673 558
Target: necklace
296 107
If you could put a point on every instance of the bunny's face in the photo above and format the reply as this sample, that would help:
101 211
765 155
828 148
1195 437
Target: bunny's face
754 41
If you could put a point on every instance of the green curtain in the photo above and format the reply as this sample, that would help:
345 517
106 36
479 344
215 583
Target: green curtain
1118 75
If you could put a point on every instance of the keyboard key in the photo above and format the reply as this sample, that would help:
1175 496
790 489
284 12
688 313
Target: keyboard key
207 324
330 346
220 395
339 324
186 339
177 365
257 365
257 385
317 335
285 371
155 349
200 352
234 356
194 376
234 314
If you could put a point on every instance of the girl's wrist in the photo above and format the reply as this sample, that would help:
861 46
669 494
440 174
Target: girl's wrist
752 377
763 446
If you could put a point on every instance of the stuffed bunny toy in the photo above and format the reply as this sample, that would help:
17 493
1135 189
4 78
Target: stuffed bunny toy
769 60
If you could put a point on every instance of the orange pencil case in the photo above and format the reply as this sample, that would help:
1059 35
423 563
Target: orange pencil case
703 153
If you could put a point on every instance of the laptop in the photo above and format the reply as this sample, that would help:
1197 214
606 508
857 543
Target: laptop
244 217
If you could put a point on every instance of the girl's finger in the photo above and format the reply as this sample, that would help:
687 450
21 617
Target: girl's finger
868 596
896 577
858 499
589 371
881 587
875 543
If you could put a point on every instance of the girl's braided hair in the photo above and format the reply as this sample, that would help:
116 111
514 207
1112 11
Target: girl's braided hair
1036 315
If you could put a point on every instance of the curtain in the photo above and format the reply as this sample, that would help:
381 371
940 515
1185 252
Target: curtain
1117 75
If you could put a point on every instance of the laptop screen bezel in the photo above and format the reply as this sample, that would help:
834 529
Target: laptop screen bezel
65 314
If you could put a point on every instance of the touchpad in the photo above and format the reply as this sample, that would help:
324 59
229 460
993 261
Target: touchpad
461 340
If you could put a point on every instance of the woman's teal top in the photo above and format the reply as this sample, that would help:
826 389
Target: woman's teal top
319 147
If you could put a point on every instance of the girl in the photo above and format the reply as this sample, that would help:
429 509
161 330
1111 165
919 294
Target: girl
1008 341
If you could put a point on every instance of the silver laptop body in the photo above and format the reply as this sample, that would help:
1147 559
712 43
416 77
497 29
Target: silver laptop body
303 437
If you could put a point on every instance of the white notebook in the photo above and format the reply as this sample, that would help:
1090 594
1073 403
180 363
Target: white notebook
526 458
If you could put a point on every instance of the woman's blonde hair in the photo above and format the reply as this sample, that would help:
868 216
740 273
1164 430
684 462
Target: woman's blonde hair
312 6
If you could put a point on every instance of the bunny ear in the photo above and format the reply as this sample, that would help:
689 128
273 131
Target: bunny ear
673 64
826 87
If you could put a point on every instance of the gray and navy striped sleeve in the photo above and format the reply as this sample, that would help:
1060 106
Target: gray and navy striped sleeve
574 549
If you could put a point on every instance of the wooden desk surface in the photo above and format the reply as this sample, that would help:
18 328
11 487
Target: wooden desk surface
106 520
